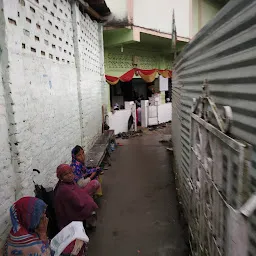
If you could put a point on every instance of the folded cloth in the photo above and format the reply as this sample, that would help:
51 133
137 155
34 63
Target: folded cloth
83 182
74 232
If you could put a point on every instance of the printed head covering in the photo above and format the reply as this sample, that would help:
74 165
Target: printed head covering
62 170
79 168
26 214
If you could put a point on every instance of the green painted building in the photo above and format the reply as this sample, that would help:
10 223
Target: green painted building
139 35
123 51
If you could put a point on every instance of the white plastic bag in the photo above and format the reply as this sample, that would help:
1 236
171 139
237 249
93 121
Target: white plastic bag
74 231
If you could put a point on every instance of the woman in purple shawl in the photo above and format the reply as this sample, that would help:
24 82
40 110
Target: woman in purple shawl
72 203
87 178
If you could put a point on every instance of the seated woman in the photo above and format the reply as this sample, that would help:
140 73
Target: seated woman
29 226
85 178
71 202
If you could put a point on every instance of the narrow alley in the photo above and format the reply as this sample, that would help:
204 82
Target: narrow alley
138 214
173 82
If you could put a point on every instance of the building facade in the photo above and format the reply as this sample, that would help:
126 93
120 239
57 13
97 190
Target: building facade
142 29
140 36
52 90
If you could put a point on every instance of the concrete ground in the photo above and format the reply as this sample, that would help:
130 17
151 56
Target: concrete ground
138 214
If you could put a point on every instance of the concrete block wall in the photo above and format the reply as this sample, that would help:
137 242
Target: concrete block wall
43 83
91 81
51 95
105 89
7 182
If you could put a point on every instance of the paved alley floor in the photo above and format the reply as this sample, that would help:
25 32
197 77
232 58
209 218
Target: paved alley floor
138 214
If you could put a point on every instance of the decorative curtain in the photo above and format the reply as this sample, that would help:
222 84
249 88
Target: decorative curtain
147 75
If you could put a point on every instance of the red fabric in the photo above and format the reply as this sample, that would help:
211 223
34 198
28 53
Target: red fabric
72 203
164 71
147 72
92 187
70 248
62 169
128 76
111 78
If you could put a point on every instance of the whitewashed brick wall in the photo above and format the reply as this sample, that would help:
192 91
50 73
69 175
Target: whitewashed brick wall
7 181
105 90
91 79
52 92
88 66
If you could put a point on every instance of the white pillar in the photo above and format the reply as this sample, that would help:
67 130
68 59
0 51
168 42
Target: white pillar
144 113
134 116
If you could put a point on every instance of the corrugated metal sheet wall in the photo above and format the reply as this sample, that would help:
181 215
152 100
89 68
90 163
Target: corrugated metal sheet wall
224 52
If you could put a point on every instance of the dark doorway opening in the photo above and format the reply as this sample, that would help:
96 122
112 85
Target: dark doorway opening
135 90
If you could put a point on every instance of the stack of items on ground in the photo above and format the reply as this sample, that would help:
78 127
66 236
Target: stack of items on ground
131 134
74 199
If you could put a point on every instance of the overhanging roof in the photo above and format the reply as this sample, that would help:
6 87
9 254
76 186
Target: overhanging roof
96 9
125 37
100 7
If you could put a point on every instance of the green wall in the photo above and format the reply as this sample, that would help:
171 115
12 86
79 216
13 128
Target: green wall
151 51
202 12
119 60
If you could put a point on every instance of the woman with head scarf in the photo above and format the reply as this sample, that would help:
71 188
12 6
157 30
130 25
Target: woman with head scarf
87 178
71 202
28 235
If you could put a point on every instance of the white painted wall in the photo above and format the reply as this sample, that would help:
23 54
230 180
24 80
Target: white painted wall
118 121
152 115
52 93
118 9
44 88
190 15
7 182
91 80
159 114
164 113
158 15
